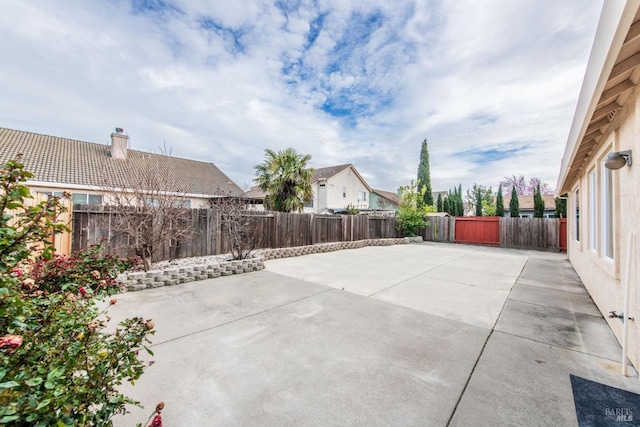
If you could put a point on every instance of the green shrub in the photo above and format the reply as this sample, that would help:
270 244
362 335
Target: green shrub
59 365
412 211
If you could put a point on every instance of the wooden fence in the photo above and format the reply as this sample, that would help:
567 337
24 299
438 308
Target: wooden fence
92 224
440 229
530 233
284 230
521 233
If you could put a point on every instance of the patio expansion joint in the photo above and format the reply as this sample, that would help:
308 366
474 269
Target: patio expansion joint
560 347
484 346
399 283
243 317
597 316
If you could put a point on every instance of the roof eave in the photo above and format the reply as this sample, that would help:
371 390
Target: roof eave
615 20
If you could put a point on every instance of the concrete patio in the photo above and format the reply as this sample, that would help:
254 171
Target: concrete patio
420 334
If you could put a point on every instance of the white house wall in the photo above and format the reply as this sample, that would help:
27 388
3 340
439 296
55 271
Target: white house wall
345 179
602 276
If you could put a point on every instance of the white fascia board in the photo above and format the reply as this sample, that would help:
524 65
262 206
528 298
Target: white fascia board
615 20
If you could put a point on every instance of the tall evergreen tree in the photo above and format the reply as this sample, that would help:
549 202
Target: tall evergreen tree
538 203
561 206
424 174
499 202
460 202
446 207
478 201
514 203
439 203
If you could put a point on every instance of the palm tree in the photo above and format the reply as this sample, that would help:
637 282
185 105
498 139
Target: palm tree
286 179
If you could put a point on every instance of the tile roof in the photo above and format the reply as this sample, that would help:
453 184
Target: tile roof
68 161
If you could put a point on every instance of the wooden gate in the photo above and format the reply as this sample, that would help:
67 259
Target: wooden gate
478 230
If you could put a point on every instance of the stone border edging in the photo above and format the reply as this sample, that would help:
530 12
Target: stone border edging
268 254
140 280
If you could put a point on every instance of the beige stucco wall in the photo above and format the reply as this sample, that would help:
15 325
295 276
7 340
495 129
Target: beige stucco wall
604 277
196 203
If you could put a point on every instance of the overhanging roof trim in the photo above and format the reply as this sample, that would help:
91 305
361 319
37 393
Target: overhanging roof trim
615 20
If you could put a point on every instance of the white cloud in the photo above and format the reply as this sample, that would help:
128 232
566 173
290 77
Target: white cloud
223 81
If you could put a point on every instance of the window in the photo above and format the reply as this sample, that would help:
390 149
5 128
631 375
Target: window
86 199
362 196
344 192
309 205
606 218
576 214
592 210
52 193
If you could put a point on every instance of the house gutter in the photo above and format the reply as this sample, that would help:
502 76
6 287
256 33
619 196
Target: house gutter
615 21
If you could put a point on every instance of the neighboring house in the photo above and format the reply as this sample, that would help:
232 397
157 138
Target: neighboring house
383 202
335 188
604 197
526 206
87 169
255 198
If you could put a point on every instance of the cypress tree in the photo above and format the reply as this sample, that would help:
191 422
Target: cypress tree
499 202
460 202
440 206
445 205
561 206
514 204
478 201
424 174
538 203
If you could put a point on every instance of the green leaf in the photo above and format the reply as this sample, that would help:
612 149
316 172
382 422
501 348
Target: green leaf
49 385
9 384
8 419
42 404
34 381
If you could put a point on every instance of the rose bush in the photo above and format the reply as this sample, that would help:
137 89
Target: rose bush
58 364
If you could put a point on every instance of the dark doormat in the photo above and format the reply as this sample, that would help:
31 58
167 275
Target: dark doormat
600 405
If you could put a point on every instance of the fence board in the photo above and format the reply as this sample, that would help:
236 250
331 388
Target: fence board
438 229
530 233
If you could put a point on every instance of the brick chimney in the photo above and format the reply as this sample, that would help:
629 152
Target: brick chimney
119 143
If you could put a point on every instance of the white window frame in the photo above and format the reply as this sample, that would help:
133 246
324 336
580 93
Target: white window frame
576 214
606 216
593 209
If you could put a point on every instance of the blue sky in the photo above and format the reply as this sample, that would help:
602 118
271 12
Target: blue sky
491 85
